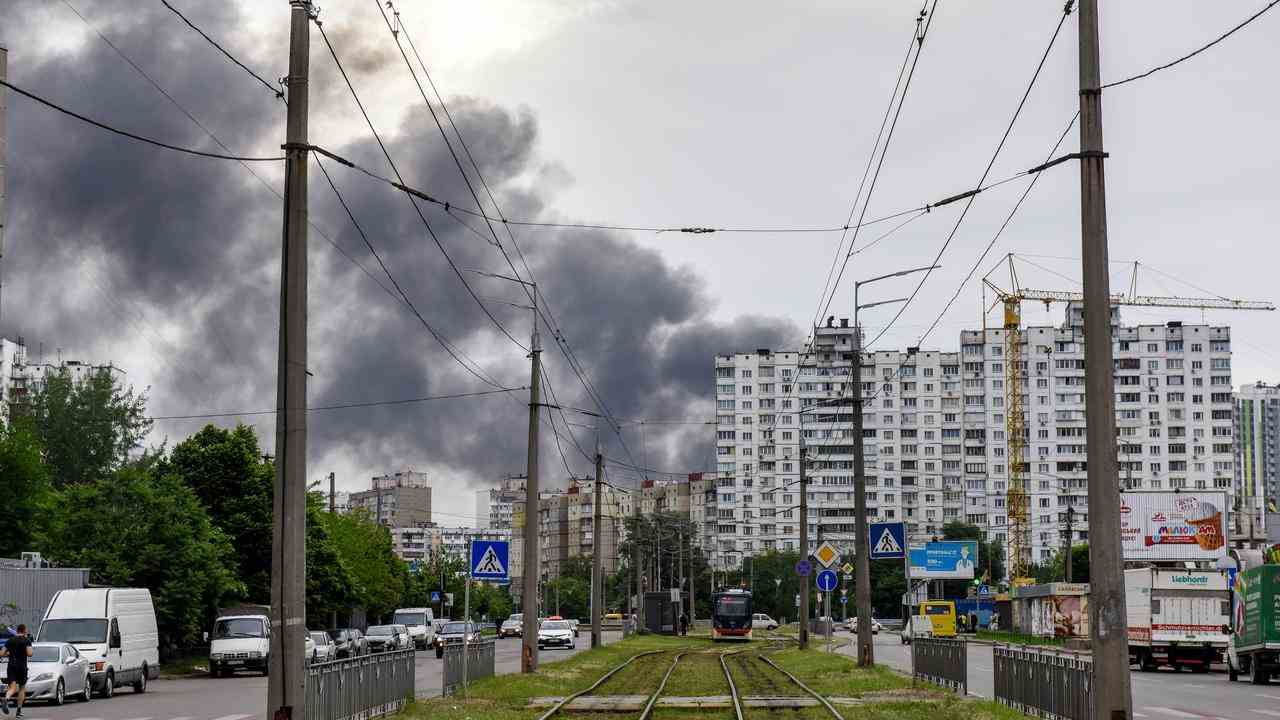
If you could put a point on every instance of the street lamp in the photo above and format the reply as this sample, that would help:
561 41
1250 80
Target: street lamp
866 652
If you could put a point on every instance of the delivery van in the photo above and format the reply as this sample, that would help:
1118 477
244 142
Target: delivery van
942 617
113 628
240 642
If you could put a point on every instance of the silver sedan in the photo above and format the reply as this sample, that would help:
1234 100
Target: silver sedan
57 671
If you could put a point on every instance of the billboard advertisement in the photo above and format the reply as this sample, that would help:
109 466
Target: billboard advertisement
947 560
1173 525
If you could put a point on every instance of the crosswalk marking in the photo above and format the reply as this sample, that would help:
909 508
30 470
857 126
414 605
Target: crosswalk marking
1175 713
233 717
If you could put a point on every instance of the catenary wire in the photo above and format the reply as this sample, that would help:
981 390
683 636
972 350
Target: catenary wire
343 406
133 136
866 202
1066 11
395 169
277 91
1195 52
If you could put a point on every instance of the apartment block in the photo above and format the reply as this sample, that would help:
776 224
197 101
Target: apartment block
1257 448
399 500
935 425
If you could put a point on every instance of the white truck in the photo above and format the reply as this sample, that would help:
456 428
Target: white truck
1180 618
421 625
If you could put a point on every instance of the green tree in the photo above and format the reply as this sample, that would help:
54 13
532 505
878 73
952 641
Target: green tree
26 490
364 550
141 529
226 470
331 584
1054 569
86 427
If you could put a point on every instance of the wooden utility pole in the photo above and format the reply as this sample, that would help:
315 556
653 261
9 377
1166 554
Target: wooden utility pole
529 600
1112 696
597 553
286 684
804 547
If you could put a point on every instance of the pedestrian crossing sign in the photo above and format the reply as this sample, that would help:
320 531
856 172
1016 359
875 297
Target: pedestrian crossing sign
489 560
887 540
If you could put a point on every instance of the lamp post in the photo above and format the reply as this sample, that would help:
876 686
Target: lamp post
862 562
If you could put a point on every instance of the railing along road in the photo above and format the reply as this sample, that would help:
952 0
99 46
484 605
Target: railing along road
363 687
1043 683
942 662
479 664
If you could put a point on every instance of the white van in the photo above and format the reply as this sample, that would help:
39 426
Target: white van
421 625
240 642
113 628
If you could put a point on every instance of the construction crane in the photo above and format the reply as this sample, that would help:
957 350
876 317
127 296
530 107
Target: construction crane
1017 499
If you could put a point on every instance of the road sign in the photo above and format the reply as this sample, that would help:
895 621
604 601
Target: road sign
847 578
826 580
797 599
803 568
844 591
827 554
847 568
844 599
946 560
887 540
489 559
435 596
984 591
448 599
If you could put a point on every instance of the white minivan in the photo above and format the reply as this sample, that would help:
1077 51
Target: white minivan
113 628
421 625
240 642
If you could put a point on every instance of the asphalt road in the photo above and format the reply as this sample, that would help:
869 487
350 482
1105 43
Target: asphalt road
244 697
1160 695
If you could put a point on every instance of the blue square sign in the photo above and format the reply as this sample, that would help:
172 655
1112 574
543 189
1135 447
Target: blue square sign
489 560
887 540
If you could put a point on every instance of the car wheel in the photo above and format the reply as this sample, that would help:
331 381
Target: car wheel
1258 675
87 694
59 692
140 685
109 685
1232 674
439 653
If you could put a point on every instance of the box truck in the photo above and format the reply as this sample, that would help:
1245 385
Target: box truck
1255 625
1180 618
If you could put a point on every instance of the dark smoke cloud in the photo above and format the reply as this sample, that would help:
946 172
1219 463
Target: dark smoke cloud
118 249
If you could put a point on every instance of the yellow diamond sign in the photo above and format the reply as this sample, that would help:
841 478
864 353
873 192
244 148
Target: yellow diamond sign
826 554
848 569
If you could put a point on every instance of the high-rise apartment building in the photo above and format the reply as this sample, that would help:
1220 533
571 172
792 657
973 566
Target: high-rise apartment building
934 432
1257 449
401 499
494 505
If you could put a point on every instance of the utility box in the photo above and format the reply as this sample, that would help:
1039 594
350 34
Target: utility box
661 615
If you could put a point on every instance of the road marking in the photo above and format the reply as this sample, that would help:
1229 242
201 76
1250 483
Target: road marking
1272 713
977 695
1175 713
1269 697
233 717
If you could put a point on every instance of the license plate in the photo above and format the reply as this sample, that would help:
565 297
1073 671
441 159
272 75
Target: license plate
235 662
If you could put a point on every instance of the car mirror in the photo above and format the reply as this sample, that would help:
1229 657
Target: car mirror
69 661
206 637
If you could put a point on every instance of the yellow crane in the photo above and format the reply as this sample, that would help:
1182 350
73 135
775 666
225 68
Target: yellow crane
1017 499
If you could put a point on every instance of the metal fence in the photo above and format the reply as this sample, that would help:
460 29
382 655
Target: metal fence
479 664
941 662
1043 683
364 687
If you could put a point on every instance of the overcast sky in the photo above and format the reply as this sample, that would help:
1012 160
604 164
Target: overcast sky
643 113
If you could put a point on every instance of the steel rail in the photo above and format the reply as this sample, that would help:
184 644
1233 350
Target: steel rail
804 687
733 689
570 698
653 699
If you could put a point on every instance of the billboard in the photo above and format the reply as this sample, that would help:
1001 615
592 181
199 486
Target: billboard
1173 525
947 560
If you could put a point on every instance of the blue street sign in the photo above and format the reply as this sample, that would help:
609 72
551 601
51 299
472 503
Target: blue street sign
844 599
947 560
489 560
803 568
826 580
984 591
888 540
435 596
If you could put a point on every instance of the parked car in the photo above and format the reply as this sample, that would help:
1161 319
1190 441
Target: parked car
763 621
386 638
419 622
240 642
348 643
512 626
309 648
114 628
556 633
58 671
920 626
852 625
574 624
325 650
451 634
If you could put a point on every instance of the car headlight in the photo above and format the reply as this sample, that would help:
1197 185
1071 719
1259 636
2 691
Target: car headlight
215 656
42 677
255 654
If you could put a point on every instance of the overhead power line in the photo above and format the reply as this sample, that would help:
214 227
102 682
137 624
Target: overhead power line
133 136
342 406
1195 52
1066 11
278 91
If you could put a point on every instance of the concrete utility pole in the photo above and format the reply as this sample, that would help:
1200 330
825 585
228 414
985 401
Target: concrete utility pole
333 508
1066 543
286 684
861 552
804 546
1112 693
529 604
4 154
597 553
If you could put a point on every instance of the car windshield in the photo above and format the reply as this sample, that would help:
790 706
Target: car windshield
320 638
44 654
74 631
407 618
381 630
338 635
455 628
732 606
238 628
555 625
937 610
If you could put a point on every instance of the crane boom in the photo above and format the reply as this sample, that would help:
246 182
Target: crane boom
1141 300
